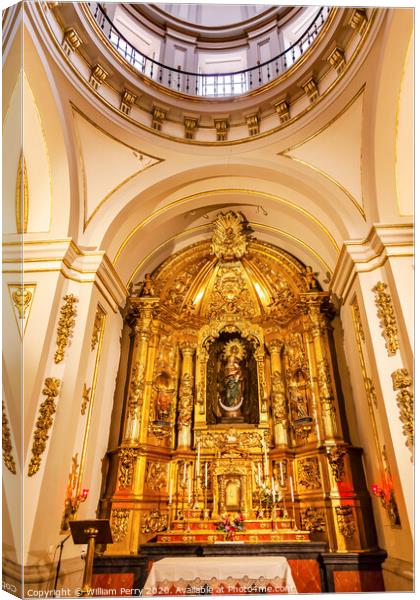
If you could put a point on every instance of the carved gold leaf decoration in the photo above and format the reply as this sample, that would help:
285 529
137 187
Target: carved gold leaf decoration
313 519
85 398
345 521
387 317
97 327
128 457
157 474
154 521
335 456
22 196
119 523
65 326
308 475
44 423
229 238
401 381
9 461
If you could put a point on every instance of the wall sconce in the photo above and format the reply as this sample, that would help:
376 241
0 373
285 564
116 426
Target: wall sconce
386 496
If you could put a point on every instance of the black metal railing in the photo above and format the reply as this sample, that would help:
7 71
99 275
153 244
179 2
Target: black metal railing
216 85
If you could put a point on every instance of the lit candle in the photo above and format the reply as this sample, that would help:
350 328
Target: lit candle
205 475
170 491
198 460
189 490
281 473
273 491
291 489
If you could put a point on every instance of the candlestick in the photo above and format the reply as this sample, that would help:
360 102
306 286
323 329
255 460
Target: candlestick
273 491
205 475
189 490
259 474
184 477
291 489
198 460
281 473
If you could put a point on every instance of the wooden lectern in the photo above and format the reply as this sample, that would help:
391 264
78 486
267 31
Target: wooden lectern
91 532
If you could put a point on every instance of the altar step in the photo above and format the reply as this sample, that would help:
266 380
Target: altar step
256 531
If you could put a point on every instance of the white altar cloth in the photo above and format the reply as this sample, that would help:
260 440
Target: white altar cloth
219 575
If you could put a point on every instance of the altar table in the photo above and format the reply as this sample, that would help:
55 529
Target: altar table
195 576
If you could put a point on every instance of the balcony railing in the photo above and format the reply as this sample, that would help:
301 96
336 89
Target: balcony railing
213 85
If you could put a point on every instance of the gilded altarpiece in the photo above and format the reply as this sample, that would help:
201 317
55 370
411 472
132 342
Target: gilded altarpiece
232 404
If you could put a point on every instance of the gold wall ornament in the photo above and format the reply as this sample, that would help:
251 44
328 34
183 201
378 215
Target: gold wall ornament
8 460
154 521
22 296
387 317
313 519
401 381
72 500
308 474
345 521
119 523
156 475
231 295
128 458
229 240
158 117
335 456
358 320
22 196
44 423
65 325
97 327
85 399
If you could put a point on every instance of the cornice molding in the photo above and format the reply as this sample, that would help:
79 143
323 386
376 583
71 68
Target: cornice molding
384 241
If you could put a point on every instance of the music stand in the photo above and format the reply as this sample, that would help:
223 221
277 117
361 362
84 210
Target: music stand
90 532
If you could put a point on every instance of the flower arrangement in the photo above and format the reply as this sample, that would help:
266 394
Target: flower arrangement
229 526
269 496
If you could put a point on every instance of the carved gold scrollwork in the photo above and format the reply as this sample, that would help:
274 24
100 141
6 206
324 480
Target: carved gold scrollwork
119 523
387 317
44 423
128 457
335 456
154 521
401 381
21 299
313 519
358 321
308 475
345 521
65 326
9 461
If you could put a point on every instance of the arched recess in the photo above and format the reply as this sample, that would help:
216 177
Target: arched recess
293 203
41 82
383 113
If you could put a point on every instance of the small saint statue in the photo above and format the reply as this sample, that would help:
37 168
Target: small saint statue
310 279
231 394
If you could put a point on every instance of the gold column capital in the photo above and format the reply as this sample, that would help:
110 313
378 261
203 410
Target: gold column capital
275 346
